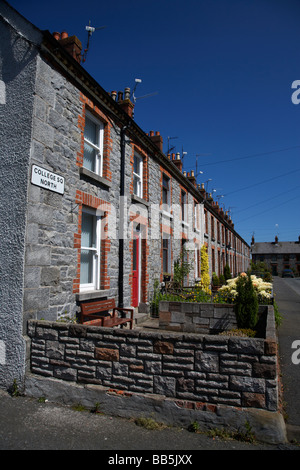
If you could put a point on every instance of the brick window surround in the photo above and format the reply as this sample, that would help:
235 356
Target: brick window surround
92 202
88 105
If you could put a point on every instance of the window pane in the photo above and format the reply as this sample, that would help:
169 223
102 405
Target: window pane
87 230
89 157
136 165
90 131
136 185
86 267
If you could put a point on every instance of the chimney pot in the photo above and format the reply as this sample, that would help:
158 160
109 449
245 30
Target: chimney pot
120 96
56 35
151 133
114 95
64 35
127 93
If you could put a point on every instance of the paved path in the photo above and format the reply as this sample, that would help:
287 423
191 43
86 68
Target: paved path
26 424
287 296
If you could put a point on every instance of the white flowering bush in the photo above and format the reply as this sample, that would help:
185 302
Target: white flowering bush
263 289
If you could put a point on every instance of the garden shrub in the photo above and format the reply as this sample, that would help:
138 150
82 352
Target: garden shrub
246 306
205 279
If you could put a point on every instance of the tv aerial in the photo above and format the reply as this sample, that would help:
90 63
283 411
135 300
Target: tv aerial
90 29
134 98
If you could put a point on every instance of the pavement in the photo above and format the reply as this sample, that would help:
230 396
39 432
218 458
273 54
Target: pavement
29 424
287 297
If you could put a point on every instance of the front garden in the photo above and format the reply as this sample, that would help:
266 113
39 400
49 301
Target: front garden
247 293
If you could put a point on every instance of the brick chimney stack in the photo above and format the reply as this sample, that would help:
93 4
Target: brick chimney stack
202 190
125 102
156 139
70 43
192 178
177 161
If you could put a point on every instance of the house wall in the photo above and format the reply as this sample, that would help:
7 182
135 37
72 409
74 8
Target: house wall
18 56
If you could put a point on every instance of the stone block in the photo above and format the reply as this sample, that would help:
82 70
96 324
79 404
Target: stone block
50 276
247 384
164 386
270 347
246 345
207 361
107 354
36 299
254 400
163 306
163 347
37 255
267 371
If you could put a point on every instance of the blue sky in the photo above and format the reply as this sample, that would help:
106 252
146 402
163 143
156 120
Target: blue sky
222 72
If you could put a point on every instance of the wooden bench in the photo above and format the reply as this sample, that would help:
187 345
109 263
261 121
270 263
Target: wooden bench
104 313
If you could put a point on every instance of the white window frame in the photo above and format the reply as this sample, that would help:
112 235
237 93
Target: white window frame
138 176
96 249
98 146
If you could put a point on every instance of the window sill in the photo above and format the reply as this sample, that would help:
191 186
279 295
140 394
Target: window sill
92 294
166 214
90 174
139 200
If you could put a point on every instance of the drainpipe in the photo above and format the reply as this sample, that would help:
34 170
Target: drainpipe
122 221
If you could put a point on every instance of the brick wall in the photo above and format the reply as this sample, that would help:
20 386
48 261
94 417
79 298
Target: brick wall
203 369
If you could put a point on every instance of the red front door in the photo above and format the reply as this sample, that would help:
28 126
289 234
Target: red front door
135 270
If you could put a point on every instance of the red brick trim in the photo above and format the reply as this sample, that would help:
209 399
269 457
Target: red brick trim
88 200
87 104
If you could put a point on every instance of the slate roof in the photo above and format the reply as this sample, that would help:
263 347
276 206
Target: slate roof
275 248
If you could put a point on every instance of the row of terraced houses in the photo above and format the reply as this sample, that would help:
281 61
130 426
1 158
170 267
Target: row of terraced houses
91 207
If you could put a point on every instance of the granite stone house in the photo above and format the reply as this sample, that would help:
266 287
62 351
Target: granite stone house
278 255
91 207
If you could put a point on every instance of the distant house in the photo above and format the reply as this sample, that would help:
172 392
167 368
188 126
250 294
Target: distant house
277 255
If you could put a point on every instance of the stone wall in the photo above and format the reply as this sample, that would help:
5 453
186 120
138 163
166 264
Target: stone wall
203 369
196 317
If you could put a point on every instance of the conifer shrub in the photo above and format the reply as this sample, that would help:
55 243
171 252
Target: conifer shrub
246 303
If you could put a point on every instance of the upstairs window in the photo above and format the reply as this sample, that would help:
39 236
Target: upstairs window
166 199
93 144
138 176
